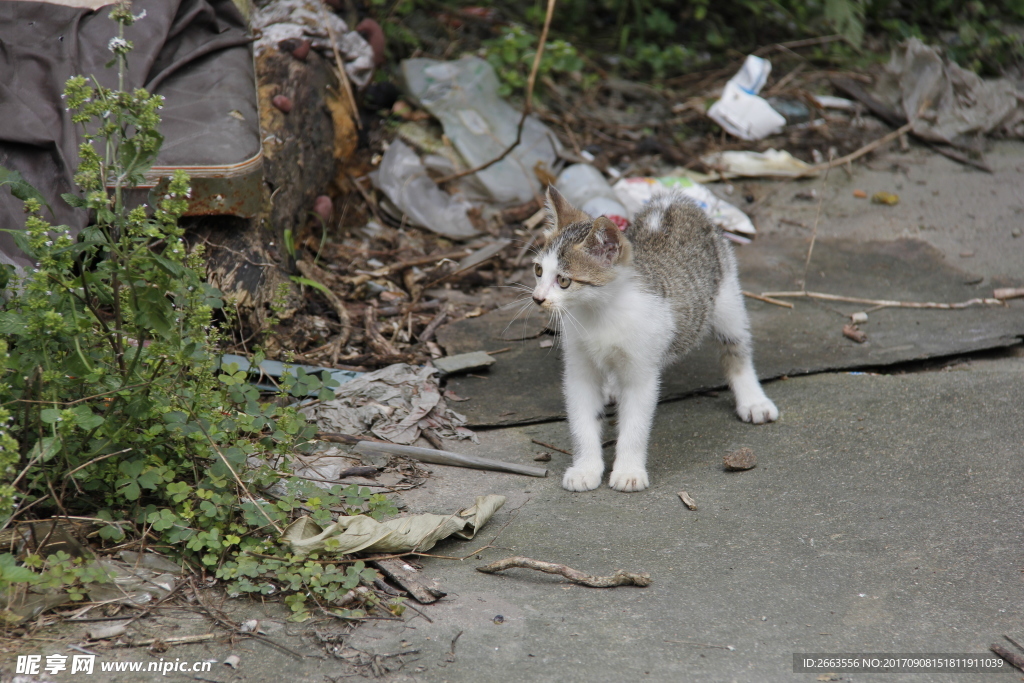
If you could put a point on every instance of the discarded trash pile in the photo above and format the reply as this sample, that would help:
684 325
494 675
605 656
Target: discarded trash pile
446 204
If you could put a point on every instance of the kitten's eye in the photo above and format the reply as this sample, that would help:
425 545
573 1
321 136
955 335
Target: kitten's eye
537 270
563 281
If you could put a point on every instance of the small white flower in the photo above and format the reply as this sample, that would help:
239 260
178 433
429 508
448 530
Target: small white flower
138 17
116 44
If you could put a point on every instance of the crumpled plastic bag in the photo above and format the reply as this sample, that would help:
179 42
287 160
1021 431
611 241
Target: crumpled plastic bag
463 95
945 102
634 193
394 403
403 178
771 163
136 580
304 19
740 110
360 533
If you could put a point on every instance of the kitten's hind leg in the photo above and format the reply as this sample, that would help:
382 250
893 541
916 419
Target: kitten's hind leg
732 329
584 402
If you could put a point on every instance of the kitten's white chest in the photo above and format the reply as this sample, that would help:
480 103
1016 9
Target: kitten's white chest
631 330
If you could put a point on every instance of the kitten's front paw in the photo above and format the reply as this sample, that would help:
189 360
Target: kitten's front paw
581 478
758 412
628 480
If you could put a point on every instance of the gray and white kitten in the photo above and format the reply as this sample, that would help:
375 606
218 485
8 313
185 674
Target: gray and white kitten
629 304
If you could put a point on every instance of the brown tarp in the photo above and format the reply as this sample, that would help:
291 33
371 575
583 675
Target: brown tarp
194 52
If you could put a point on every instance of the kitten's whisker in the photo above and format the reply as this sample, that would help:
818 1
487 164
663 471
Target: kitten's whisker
510 304
526 304
574 320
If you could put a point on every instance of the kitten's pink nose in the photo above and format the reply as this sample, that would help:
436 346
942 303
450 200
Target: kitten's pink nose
538 300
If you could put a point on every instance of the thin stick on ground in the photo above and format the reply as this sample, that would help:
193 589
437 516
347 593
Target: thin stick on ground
814 230
313 273
1015 643
350 97
866 149
768 299
234 474
619 578
547 445
180 640
1010 656
884 303
527 108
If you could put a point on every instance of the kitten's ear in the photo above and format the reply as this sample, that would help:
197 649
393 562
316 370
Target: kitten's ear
606 243
560 212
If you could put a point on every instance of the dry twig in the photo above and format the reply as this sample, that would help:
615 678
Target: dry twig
1010 656
313 273
1008 293
547 445
342 75
884 303
866 149
180 640
374 338
619 578
768 299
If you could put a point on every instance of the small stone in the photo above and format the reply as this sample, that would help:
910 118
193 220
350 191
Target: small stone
499 619
282 102
854 333
860 194
542 457
743 459
858 318
1016 232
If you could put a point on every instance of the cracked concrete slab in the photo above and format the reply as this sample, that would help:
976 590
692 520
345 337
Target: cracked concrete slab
524 385
884 516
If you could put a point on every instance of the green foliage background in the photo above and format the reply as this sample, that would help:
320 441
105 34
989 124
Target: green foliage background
664 38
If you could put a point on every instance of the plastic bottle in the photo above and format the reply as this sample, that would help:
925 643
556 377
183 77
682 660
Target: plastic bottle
585 188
